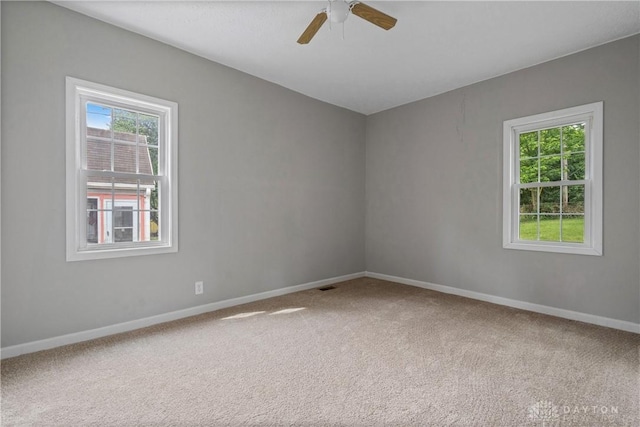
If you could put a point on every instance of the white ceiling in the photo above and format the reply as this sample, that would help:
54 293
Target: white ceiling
435 46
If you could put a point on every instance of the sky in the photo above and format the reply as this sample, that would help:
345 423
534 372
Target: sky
101 116
98 116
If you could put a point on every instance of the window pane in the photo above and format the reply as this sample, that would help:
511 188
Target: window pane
573 199
99 193
98 116
550 200
549 141
123 221
528 200
528 227
573 228
550 169
123 217
573 138
149 215
155 191
148 159
148 230
550 228
123 234
125 121
124 158
575 166
92 220
529 144
528 171
148 126
125 153
97 153
154 229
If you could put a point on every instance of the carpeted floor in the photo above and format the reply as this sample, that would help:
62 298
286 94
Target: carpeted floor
367 353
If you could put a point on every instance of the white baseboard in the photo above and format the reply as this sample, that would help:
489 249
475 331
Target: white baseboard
537 308
31 347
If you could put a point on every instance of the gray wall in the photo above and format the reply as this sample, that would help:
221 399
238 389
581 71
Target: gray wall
434 180
271 182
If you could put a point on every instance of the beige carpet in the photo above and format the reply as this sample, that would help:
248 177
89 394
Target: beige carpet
366 353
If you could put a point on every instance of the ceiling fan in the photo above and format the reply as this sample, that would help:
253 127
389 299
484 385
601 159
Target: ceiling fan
338 10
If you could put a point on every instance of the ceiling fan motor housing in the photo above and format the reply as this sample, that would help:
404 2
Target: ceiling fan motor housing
338 10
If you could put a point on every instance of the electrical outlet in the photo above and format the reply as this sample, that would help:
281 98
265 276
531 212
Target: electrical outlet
199 288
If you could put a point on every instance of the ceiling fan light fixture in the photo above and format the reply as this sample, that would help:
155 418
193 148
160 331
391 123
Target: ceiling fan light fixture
338 11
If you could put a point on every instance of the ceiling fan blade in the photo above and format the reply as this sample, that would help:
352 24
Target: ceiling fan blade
313 28
374 16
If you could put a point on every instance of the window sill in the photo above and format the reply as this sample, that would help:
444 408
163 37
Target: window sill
553 247
120 252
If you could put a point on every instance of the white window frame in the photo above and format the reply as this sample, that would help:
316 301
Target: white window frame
592 115
78 93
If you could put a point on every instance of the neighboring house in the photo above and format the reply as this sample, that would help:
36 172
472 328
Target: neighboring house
118 211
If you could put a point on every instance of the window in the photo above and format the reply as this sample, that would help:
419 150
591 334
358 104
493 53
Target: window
121 173
552 196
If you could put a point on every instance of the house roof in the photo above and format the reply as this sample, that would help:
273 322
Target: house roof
99 142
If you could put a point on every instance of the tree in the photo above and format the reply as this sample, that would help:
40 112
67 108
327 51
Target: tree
550 155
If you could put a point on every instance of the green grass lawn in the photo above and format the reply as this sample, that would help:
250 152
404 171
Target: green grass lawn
572 229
